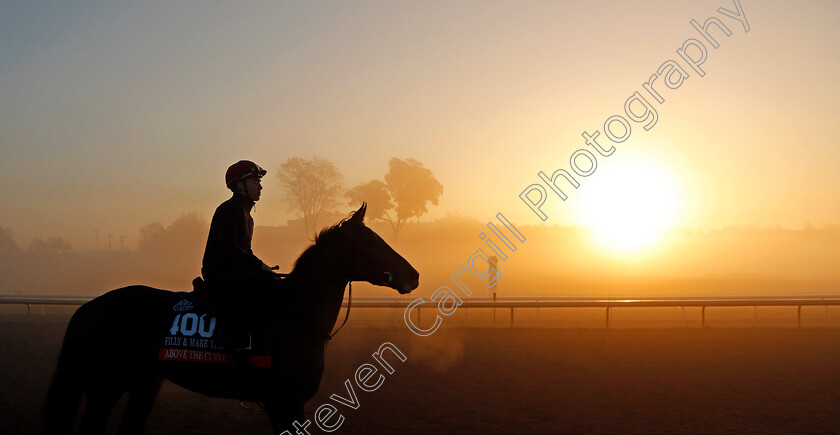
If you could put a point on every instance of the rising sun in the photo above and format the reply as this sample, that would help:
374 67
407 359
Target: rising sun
630 203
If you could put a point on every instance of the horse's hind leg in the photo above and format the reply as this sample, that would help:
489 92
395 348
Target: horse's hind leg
141 397
282 415
99 404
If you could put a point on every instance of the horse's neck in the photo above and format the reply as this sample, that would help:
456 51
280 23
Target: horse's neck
322 293
325 304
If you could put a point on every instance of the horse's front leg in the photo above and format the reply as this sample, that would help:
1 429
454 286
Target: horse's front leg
141 398
287 418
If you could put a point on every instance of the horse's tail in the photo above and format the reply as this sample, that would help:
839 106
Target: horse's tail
65 391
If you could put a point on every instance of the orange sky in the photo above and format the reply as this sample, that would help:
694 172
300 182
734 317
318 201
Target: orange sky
113 116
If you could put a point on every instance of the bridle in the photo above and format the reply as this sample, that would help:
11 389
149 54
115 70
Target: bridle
349 301
346 314
389 279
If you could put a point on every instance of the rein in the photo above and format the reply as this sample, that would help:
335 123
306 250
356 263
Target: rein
346 314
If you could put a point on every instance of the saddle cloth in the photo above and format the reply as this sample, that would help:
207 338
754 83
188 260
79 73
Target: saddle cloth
191 336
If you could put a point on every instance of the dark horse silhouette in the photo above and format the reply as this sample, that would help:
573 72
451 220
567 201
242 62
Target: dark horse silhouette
111 344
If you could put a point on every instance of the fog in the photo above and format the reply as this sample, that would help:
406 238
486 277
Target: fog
552 261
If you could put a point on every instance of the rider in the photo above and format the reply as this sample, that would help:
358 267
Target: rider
230 269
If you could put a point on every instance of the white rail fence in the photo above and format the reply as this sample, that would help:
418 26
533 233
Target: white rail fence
513 304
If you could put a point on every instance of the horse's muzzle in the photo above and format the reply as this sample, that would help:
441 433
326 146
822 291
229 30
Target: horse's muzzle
410 284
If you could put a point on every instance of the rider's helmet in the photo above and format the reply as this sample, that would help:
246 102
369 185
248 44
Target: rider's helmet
241 170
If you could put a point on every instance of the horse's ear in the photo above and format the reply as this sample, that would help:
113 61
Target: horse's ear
359 215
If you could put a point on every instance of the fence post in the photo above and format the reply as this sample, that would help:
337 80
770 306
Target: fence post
608 317
799 316
494 309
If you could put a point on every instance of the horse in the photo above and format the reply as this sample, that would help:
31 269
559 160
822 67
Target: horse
112 343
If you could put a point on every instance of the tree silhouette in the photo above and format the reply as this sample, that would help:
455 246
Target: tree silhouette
53 245
151 235
412 186
7 243
311 186
408 188
375 194
185 235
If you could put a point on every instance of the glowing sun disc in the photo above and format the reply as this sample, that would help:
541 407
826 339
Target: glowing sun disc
630 203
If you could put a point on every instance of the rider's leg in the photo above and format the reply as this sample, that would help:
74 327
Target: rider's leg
227 304
255 300
238 301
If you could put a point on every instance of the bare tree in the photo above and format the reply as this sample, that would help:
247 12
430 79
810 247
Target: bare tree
408 188
312 186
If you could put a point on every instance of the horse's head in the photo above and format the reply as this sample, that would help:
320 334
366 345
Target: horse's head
373 260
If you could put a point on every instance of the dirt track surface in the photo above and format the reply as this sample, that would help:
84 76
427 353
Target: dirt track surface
513 381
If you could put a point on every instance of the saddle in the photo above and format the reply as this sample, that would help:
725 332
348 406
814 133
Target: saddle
191 334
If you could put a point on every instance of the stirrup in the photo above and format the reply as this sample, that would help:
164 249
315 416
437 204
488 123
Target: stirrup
246 347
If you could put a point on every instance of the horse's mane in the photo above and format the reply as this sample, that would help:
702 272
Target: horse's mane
323 238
